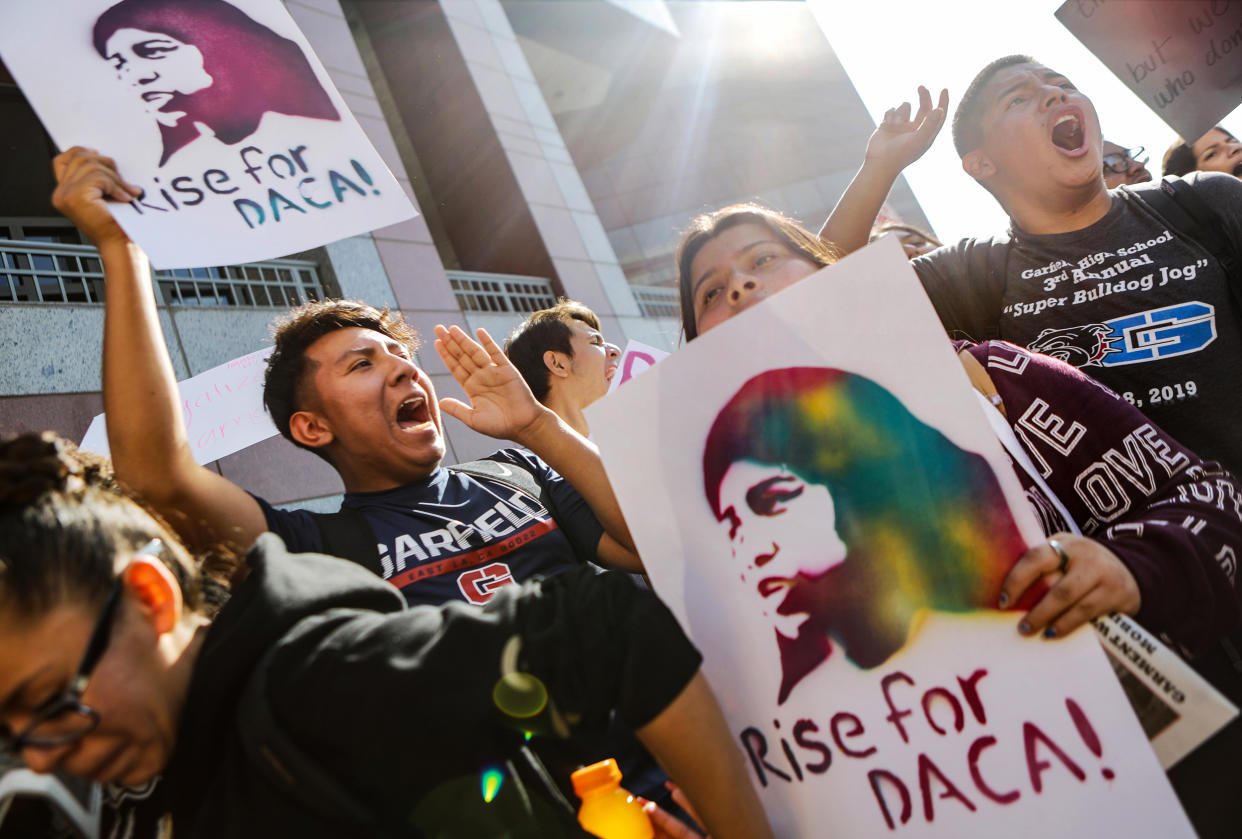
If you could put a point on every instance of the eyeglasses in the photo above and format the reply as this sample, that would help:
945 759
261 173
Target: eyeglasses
1119 162
64 719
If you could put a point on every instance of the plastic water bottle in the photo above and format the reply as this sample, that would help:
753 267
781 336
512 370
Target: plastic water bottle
608 811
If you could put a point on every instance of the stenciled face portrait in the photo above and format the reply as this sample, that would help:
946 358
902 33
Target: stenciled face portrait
159 68
781 527
206 68
848 517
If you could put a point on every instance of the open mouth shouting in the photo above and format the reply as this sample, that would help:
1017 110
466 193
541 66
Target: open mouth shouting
413 415
1068 133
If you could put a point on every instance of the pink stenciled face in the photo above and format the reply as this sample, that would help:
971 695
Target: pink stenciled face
159 67
738 268
780 526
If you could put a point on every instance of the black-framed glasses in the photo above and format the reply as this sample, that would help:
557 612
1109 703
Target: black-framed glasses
1119 162
65 719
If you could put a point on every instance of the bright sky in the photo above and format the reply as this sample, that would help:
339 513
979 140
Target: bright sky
889 48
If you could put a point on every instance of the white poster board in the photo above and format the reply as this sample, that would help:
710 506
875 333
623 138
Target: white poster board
222 408
1183 58
217 109
636 358
784 518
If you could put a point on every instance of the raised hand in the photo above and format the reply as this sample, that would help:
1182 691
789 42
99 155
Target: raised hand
668 826
1089 581
501 404
899 140
86 182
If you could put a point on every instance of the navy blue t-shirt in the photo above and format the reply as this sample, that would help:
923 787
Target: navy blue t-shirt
453 536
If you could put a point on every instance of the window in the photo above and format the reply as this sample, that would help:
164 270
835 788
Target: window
43 261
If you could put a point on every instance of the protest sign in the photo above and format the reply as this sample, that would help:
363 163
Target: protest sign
636 358
222 408
218 110
829 516
1181 57
1177 707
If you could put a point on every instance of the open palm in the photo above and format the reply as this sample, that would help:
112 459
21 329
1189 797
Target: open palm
501 404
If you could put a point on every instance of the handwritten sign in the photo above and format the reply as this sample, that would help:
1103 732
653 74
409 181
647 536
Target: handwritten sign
828 514
1181 57
637 358
223 410
219 110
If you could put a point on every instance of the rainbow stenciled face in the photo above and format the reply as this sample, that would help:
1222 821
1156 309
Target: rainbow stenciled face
159 67
781 526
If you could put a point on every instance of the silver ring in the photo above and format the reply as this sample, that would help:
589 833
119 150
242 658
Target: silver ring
1056 546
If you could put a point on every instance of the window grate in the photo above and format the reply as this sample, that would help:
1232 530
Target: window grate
657 301
33 271
503 293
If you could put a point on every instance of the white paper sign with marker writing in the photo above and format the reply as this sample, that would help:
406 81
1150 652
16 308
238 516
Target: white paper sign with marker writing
222 408
1183 58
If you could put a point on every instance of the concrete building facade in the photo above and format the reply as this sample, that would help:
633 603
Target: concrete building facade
552 149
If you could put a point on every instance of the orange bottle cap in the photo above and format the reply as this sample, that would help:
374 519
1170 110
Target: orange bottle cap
596 776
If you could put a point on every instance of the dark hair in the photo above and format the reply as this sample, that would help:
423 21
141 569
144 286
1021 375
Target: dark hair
1180 158
703 228
253 70
286 382
967 122
63 522
547 329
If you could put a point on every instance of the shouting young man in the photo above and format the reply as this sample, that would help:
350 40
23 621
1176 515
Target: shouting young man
1134 286
343 383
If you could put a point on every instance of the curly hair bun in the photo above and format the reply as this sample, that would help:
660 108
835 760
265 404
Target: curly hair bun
34 464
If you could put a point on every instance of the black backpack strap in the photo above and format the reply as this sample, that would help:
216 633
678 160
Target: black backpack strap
509 474
348 534
287 767
1183 209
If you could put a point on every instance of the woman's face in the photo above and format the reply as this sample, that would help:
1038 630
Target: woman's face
158 67
1216 151
38 660
780 526
740 267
